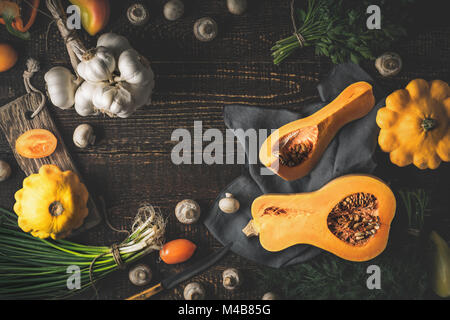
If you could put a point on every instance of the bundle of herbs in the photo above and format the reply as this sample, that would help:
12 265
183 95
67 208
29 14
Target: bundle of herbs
338 29
34 268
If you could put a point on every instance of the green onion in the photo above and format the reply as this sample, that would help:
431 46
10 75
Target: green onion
33 268
416 205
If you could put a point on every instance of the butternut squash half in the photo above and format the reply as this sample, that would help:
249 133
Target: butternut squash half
293 150
349 217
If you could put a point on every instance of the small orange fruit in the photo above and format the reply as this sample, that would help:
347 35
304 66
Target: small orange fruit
8 57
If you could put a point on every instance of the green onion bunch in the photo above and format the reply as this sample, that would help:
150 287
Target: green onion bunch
33 268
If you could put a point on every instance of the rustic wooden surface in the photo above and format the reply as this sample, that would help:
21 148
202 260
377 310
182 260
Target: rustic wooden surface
130 162
15 120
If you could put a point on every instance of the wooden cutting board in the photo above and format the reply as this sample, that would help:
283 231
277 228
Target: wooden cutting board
15 120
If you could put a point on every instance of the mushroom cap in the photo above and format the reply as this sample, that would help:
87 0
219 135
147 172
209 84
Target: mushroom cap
140 275
205 29
194 291
270 296
389 64
229 204
137 14
237 6
231 278
173 10
5 170
83 135
187 211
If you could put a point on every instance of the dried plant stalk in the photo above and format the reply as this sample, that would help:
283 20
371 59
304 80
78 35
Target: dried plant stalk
74 45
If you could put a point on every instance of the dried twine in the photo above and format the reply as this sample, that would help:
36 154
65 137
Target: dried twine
300 38
32 68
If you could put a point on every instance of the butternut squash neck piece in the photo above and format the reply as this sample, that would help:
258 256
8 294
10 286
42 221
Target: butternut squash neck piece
293 150
349 217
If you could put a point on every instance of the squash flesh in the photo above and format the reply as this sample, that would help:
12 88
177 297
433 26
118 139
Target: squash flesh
307 214
353 103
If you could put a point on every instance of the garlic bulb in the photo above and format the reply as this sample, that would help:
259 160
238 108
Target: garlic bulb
61 85
83 98
98 65
115 43
129 91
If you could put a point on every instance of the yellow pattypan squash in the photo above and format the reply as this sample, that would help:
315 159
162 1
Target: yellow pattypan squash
52 203
415 124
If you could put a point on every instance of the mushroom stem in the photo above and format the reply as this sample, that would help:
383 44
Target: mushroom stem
250 230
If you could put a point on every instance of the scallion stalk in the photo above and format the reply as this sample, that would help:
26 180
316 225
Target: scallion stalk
33 268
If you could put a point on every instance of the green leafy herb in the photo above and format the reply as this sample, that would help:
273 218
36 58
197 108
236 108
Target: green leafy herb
337 29
403 276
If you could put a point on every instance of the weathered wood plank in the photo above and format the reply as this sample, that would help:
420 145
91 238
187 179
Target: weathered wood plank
15 120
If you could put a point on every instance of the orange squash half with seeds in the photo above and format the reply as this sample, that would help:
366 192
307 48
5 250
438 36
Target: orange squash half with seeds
293 150
349 217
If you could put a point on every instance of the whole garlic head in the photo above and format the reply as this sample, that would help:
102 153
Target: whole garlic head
98 65
83 136
61 85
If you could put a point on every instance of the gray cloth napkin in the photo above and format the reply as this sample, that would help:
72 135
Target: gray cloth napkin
351 151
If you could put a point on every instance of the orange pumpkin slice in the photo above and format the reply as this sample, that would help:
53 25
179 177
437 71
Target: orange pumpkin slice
36 143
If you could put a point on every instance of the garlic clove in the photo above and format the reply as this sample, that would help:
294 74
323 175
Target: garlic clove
114 43
194 291
205 29
83 98
173 10
83 136
97 65
187 211
61 85
229 204
131 69
140 275
5 170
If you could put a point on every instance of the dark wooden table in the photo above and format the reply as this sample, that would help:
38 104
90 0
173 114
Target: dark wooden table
130 162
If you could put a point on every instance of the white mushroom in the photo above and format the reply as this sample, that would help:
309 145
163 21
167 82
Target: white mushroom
229 204
205 29
388 64
237 6
194 291
173 10
137 14
187 211
269 296
83 136
140 275
231 279
5 170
